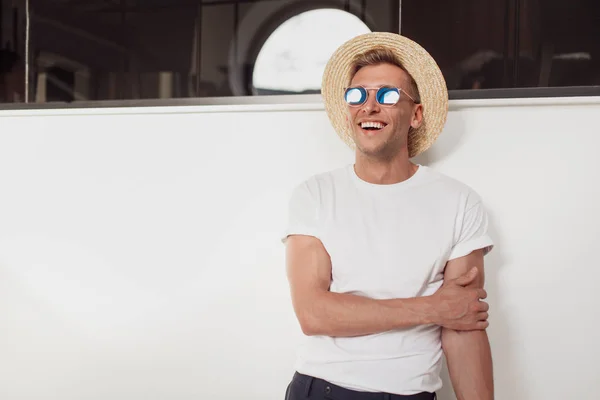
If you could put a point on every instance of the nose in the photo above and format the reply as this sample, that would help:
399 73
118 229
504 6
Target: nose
371 105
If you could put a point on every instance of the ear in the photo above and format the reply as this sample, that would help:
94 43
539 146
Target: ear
417 118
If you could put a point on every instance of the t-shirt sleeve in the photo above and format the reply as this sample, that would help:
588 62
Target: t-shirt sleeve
303 213
472 229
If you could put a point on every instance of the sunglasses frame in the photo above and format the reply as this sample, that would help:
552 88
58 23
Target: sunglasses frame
368 89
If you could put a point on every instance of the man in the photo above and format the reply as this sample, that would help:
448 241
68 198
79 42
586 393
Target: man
384 256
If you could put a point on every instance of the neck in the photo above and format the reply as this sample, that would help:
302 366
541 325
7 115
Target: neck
384 172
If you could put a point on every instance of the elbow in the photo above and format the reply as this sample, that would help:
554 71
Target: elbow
310 324
309 330
312 315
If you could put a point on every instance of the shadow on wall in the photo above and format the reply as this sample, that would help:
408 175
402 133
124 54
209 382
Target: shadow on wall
513 383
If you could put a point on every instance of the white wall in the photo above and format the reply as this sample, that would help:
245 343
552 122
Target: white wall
140 255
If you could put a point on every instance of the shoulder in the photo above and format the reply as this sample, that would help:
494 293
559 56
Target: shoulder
453 188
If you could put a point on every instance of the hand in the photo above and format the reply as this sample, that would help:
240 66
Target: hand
459 307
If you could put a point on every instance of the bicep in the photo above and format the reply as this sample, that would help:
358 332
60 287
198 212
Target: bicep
308 268
453 341
459 266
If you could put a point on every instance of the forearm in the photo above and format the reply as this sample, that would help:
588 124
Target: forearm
338 314
469 360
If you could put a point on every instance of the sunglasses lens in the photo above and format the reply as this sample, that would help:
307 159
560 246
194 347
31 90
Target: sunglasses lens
355 96
388 96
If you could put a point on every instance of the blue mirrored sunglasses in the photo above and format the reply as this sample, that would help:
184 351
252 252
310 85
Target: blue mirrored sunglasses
387 96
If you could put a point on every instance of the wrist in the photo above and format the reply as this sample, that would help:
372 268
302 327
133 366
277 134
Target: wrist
430 315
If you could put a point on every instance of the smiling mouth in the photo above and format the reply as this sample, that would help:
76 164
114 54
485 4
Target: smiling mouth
372 126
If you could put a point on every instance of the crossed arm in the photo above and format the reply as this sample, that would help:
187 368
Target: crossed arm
321 312
456 307
468 353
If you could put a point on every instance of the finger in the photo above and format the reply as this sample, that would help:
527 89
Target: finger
483 316
483 324
467 278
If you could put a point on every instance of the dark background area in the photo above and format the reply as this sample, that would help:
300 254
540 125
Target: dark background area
93 50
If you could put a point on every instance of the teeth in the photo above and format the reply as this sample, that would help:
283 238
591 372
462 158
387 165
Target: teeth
372 124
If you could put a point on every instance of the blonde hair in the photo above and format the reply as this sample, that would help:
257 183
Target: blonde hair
382 55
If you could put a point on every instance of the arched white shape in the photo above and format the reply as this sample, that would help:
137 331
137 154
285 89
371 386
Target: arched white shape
293 58
259 18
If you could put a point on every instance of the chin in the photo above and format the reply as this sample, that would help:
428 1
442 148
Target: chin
381 150
373 151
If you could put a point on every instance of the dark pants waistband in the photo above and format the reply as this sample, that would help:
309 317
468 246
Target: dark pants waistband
304 387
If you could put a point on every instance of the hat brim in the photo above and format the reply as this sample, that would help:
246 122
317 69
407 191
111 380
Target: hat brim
419 64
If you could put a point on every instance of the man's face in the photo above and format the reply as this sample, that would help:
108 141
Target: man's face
385 142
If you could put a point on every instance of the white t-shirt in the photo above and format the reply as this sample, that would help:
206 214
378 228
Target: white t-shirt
385 241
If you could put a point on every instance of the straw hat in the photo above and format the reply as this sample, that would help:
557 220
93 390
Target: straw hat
416 60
